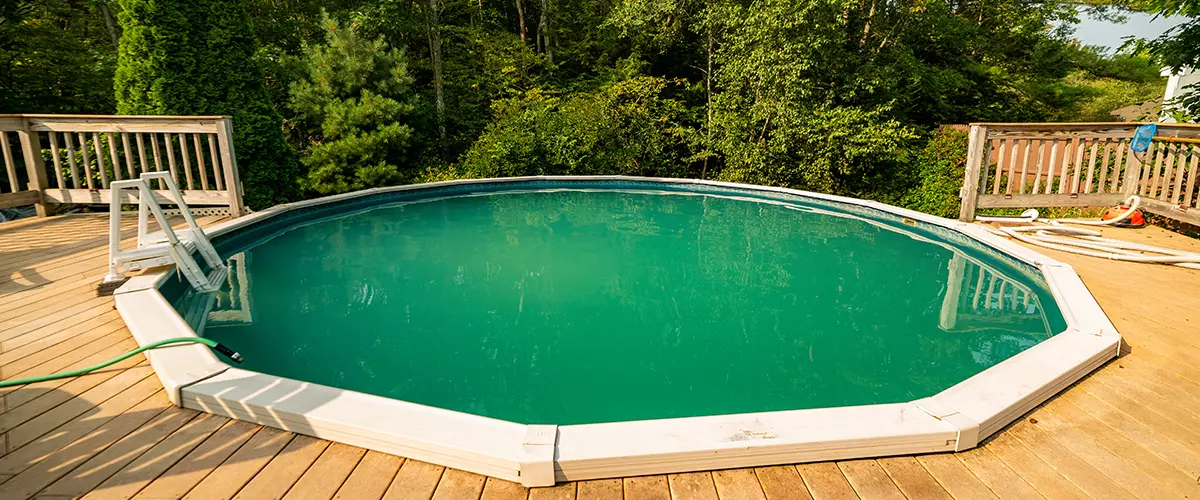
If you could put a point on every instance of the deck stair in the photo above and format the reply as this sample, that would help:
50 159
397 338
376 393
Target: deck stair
170 247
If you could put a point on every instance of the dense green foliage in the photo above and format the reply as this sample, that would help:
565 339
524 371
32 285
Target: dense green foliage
938 174
55 57
840 96
197 58
348 109
1178 48
1107 83
627 127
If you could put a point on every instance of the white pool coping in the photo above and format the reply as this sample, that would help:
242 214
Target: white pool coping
539 455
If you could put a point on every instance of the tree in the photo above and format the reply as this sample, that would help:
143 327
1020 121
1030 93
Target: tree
629 127
349 105
55 57
197 58
1178 48
435 55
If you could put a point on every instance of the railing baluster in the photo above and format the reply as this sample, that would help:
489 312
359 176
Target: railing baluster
1191 187
1012 165
187 164
112 154
1163 186
1078 170
1150 168
214 159
1121 165
87 161
96 143
1024 165
154 151
9 165
998 145
128 155
200 162
1176 194
54 152
1102 179
68 138
1037 179
141 150
171 157
1091 169
1050 174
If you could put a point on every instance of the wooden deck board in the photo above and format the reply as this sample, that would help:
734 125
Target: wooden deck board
1130 430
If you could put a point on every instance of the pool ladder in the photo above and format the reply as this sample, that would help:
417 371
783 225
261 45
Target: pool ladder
161 249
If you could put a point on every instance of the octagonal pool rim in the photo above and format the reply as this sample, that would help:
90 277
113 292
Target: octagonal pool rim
539 455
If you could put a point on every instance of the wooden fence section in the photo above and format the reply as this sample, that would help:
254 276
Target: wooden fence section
74 158
1016 165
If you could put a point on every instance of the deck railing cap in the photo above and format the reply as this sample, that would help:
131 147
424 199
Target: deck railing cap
111 117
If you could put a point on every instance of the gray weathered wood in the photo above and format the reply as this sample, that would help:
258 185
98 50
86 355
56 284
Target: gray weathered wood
1091 168
976 156
1048 200
1191 185
999 146
1024 166
1188 215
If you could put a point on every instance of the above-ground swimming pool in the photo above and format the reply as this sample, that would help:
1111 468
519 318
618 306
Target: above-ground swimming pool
571 328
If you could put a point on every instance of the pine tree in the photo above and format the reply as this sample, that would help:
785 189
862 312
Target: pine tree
350 103
180 57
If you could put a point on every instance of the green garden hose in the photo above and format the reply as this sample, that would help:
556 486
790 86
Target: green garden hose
216 346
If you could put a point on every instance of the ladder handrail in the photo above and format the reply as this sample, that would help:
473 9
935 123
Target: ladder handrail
175 252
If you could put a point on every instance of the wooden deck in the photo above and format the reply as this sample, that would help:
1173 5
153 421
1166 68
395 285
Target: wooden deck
1131 430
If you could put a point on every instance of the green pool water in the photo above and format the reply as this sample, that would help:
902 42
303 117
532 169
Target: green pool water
582 306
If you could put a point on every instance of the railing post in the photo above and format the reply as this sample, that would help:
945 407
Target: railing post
31 147
976 155
233 183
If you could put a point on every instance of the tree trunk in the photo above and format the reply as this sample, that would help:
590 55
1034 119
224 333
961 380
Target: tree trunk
521 18
544 32
109 23
708 55
435 55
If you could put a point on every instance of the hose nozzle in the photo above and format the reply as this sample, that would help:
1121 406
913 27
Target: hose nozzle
229 353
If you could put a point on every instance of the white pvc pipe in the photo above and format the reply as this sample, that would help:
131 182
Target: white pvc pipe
1026 216
1091 242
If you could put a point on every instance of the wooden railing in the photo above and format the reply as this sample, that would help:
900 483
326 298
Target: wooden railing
1017 165
73 158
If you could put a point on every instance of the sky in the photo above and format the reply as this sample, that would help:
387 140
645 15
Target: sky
1091 31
